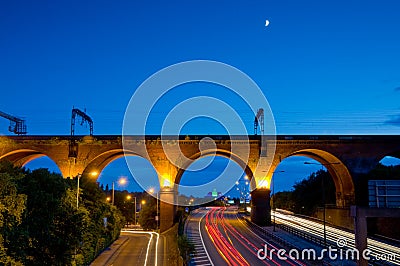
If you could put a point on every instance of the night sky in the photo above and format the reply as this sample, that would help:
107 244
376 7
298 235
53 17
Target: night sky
325 67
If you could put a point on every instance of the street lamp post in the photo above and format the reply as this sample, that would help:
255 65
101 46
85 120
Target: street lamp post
157 215
77 191
121 181
112 196
243 191
128 198
273 195
323 194
135 211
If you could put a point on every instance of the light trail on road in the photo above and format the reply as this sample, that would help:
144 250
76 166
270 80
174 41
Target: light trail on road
333 234
228 240
152 234
225 248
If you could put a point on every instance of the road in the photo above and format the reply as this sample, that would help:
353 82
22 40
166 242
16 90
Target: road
139 249
227 240
194 233
379 250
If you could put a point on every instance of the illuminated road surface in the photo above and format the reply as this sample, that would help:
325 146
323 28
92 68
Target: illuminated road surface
140 249
228 240
333 235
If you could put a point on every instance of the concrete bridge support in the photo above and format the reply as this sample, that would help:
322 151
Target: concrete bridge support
360 215
168 201
260 207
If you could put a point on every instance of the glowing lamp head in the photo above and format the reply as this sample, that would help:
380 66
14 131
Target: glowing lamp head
94 173
143 202
122 181
128 197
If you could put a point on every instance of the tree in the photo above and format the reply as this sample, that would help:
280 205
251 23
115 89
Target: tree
307 194
41 225
147 215
283 200
12 207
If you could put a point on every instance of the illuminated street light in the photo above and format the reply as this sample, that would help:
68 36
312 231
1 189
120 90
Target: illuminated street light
128 198
151 190
94 173
243 193
323 193
108 199
121 181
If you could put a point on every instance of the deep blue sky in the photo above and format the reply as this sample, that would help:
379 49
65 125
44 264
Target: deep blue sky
326 67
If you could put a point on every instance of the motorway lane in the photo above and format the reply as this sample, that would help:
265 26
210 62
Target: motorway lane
193 233
139 249
246 242
230 242
197 222
334 235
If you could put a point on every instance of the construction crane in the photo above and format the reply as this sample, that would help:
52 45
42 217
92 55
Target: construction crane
259 120
17 125
85 119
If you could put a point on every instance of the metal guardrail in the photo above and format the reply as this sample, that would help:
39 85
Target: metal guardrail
302 234
282 241
276 238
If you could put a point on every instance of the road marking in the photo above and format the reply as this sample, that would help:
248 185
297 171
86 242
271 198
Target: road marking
202 241
200 260
148 245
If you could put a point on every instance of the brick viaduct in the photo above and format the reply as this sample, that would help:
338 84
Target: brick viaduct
347 158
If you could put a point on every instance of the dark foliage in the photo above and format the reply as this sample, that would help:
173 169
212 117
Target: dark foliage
41 225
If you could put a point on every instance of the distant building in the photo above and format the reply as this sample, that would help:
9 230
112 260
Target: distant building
214 194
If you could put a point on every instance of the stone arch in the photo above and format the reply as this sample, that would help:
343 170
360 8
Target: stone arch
97 164
21 157
215 152
345 195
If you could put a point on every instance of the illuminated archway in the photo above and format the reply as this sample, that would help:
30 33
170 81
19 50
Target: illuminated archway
99 163
224 185
22 157
222 153
341 176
